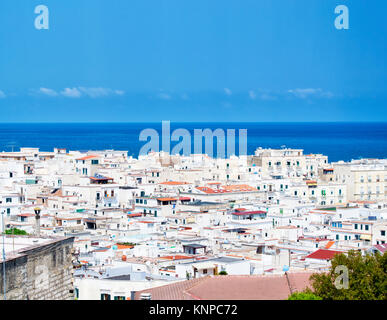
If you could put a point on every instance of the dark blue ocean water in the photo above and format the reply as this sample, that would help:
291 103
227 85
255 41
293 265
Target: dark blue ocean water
340 141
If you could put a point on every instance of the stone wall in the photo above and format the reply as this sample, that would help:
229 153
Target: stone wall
41 272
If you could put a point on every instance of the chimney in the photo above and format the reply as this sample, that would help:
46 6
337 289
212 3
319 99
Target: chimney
37 220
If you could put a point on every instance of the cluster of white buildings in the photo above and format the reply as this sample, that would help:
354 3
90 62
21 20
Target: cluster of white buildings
147 222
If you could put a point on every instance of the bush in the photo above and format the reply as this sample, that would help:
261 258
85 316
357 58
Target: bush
16 231
223 273
304 296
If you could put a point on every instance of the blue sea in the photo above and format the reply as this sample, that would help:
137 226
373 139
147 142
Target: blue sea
339 141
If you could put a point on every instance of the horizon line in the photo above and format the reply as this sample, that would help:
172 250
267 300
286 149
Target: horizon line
139 122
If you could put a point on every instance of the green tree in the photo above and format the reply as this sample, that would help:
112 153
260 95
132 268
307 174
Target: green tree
223 273
305 295
16 231
367 278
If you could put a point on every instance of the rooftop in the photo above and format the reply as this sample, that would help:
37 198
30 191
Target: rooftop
255 287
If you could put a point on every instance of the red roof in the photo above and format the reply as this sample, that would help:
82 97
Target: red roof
133 215
26 215
323 254
88 157
227 189
101 178
249 287
329 244
166 199
381 247
176 257
184 198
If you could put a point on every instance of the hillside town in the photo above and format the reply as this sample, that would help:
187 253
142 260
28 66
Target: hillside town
113 227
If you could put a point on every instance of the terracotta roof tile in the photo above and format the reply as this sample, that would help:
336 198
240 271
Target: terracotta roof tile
255 287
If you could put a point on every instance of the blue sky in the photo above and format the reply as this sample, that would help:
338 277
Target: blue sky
153 60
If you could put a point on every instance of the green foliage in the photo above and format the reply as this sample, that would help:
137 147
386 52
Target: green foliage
367 277
126 243
16 231
223 273
305 295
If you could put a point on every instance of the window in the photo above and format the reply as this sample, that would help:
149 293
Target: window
8 200
119 298
366 226
337 237
204 271
383 232
355 225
